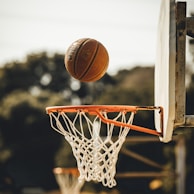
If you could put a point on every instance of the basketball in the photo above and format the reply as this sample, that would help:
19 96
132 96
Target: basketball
86 60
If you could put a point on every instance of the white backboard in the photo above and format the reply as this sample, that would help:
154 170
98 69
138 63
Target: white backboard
165 68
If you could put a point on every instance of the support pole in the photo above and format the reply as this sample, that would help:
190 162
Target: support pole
180 152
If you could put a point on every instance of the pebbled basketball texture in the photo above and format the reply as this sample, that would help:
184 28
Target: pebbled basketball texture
86 60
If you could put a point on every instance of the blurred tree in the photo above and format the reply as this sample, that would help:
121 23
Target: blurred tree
28 145
130 87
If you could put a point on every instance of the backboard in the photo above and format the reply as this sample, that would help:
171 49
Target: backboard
169 74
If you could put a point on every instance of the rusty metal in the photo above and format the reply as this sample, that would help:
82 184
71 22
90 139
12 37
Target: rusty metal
180 63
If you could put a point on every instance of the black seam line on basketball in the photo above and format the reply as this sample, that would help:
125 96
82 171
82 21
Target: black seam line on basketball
74 69
89 66
94 78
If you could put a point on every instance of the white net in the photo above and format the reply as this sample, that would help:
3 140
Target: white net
68 181
95 144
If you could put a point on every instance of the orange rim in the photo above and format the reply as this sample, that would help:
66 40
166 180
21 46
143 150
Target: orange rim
60 170
98 109
91 108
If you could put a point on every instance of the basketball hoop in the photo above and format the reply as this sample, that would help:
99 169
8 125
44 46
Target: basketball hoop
67 179
95 150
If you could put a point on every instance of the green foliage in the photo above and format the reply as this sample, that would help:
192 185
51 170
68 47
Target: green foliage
131 87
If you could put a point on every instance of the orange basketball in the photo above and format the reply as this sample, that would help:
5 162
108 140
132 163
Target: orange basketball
86 60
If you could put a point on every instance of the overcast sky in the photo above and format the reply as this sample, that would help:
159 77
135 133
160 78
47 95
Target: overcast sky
127 28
